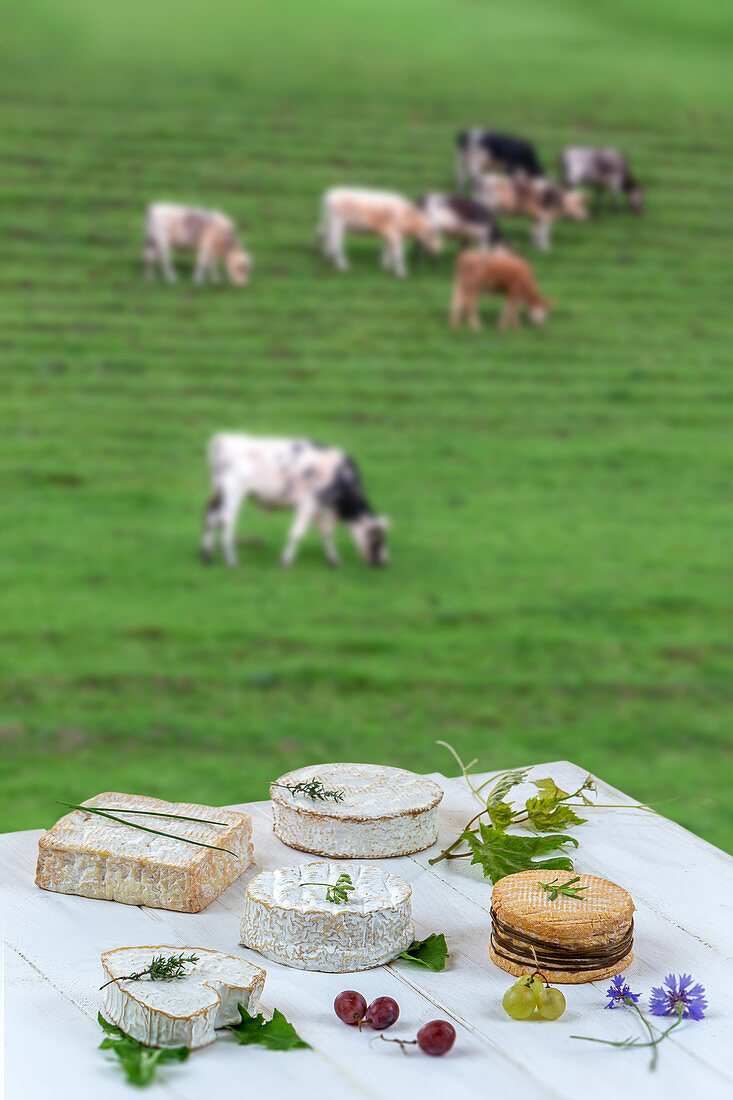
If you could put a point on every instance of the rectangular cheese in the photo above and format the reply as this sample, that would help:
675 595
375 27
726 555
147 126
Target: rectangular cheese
98 858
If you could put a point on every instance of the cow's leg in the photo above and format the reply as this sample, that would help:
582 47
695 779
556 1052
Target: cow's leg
164 255
326 522
335 244
456 305
509 317
204 264
303 518
540 233
471 306
213 518
616 194
397 247
386 257
232 497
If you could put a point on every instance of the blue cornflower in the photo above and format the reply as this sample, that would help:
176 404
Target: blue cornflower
618 993
678 995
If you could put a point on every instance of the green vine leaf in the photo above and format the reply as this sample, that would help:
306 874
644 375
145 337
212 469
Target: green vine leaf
550 789
546 814
500 854
501 814
504 784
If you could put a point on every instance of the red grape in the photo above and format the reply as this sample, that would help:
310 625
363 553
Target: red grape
350 1006
382 1013
437 1037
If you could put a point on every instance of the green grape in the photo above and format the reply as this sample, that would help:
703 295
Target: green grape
533 984
519 1002
551 1004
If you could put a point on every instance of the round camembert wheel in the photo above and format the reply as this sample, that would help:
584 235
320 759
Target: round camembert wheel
377 811
290 920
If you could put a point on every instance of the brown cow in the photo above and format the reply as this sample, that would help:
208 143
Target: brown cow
500 272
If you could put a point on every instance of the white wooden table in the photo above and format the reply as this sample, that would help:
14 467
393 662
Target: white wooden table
682 886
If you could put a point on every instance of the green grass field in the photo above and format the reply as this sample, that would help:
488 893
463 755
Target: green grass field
560 499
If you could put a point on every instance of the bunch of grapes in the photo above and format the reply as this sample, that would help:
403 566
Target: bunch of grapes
436 1037
529 993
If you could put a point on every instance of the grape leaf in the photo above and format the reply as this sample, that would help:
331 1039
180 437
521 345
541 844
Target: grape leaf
137 1061
550 789
547 814
501 814
431 952
501 854
504 784
275 1034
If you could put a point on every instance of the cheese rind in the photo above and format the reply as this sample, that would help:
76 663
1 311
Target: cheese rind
290 921
99 858
384 812
183 1011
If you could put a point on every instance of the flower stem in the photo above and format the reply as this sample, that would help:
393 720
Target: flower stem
654 1041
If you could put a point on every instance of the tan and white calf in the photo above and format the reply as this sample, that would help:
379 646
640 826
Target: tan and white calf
499 272
383 214
534 197
208 233
321 484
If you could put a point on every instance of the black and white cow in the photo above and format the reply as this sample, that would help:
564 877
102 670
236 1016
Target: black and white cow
605 170
464 219
482 150
321 484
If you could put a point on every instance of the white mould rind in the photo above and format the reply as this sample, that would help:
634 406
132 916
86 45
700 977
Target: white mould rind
184 1011
293 923
97 857
384 812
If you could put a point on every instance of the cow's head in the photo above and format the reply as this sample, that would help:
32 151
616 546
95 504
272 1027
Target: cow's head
574 206
239 265
538 314
370 538
635 196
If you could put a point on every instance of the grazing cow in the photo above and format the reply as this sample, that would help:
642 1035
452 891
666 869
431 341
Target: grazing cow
208 233
539 199
463 219
500 272
481 150
383 213
605 170
321 484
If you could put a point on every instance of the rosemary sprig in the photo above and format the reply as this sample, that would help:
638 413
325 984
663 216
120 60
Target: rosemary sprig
554 888
145 828
314 788
337 892
159 969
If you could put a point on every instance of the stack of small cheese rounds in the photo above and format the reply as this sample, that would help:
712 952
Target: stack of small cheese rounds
571 939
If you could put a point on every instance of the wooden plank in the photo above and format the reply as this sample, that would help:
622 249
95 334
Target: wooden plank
61 938
48 1039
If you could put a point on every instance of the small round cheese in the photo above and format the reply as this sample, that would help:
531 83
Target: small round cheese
291 921
381 811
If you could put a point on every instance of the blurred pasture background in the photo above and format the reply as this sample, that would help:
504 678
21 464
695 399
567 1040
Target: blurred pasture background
561 499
